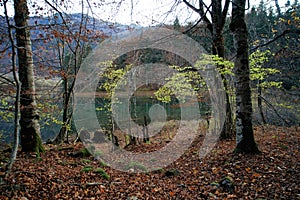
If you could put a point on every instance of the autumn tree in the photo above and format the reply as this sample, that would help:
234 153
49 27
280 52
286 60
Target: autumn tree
29 122
244 130
71 42
284 43
71 49
278 34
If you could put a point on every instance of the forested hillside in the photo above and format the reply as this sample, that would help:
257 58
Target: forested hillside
43 33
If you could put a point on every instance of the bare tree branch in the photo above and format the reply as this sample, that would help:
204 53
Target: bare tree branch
191 28
197 10
225 11
201 12
288 31
276 112
6 79
64 21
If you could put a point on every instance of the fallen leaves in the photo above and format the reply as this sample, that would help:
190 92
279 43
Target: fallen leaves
274 174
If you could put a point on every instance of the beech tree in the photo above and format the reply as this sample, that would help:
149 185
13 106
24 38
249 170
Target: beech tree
244 130
29 121
216 27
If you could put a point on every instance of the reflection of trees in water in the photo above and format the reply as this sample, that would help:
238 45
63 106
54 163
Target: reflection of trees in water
143 105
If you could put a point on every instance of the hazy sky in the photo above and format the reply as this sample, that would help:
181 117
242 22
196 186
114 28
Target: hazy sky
147 12
143 12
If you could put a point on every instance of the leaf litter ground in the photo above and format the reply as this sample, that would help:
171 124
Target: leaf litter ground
273 174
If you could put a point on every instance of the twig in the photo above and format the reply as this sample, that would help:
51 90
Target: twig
271 106
297 31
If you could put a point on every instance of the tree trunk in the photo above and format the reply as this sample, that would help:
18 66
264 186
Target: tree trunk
17 98
259 103
30 128
228 126
66 120
244 130
218 48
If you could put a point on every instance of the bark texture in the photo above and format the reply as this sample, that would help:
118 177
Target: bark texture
29 122
215 27
244 130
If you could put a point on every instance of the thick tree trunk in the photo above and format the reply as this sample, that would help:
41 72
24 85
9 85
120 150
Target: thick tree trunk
30 128
244 130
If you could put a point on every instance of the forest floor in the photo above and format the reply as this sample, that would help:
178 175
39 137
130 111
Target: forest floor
273 174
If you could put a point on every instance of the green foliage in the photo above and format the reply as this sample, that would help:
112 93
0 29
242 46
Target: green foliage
87 169
159 170
47 113
107 84
110 77
260 73
281 34
102 173
224 66
188 82
285 105
103 164
86 161
1 136
6 108
182 84
176 24
164 94
98 153
215 184
185 83
63 163
84 152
